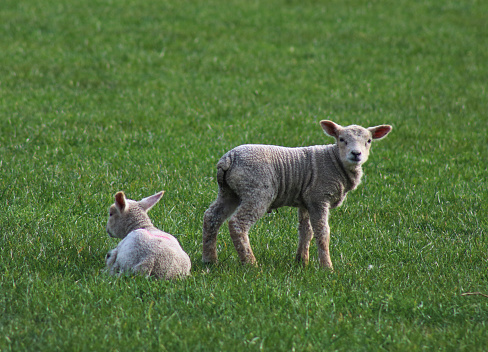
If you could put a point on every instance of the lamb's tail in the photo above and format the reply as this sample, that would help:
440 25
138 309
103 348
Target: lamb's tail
223 166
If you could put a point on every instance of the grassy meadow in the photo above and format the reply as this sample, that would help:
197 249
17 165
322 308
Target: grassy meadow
98 96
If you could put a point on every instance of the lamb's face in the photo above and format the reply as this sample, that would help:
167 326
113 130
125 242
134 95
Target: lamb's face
113 218
354 141
354 144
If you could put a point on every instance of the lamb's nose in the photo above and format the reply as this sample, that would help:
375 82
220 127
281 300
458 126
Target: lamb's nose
356 153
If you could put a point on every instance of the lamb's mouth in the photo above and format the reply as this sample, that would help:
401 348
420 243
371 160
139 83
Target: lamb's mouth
354 159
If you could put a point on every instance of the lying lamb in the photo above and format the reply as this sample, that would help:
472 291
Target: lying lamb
254 179
144 249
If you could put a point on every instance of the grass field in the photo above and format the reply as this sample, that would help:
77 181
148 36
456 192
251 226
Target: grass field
98 96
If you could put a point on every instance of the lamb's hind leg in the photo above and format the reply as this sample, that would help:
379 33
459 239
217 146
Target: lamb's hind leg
239 225
213 219
305 234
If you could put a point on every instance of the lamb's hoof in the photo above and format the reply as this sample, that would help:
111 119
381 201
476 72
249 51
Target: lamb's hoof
209 259
250 265
300 260
328 268
251 261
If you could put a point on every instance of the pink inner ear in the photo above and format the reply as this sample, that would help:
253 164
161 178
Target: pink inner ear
120 200
381 131
329 127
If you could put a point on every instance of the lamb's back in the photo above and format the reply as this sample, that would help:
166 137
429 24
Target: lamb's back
289 176
162 250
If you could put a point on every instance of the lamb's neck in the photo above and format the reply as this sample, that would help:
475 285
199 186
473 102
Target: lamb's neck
352 174
141 225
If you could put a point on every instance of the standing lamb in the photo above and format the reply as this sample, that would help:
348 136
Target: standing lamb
144 249
254 179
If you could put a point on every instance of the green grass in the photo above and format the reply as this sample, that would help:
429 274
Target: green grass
101 96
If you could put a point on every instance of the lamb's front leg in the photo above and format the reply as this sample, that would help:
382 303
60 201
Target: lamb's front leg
305 234
319 219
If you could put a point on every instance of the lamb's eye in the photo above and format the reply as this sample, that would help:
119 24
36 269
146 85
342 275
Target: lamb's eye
369 140
342 140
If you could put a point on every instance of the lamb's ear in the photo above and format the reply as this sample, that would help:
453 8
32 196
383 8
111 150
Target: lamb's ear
330 128
149 202
381 131
120 202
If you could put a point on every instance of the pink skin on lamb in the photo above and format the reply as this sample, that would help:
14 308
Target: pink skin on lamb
158 235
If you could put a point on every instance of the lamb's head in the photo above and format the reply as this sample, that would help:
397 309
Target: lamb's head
126 215
354 141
